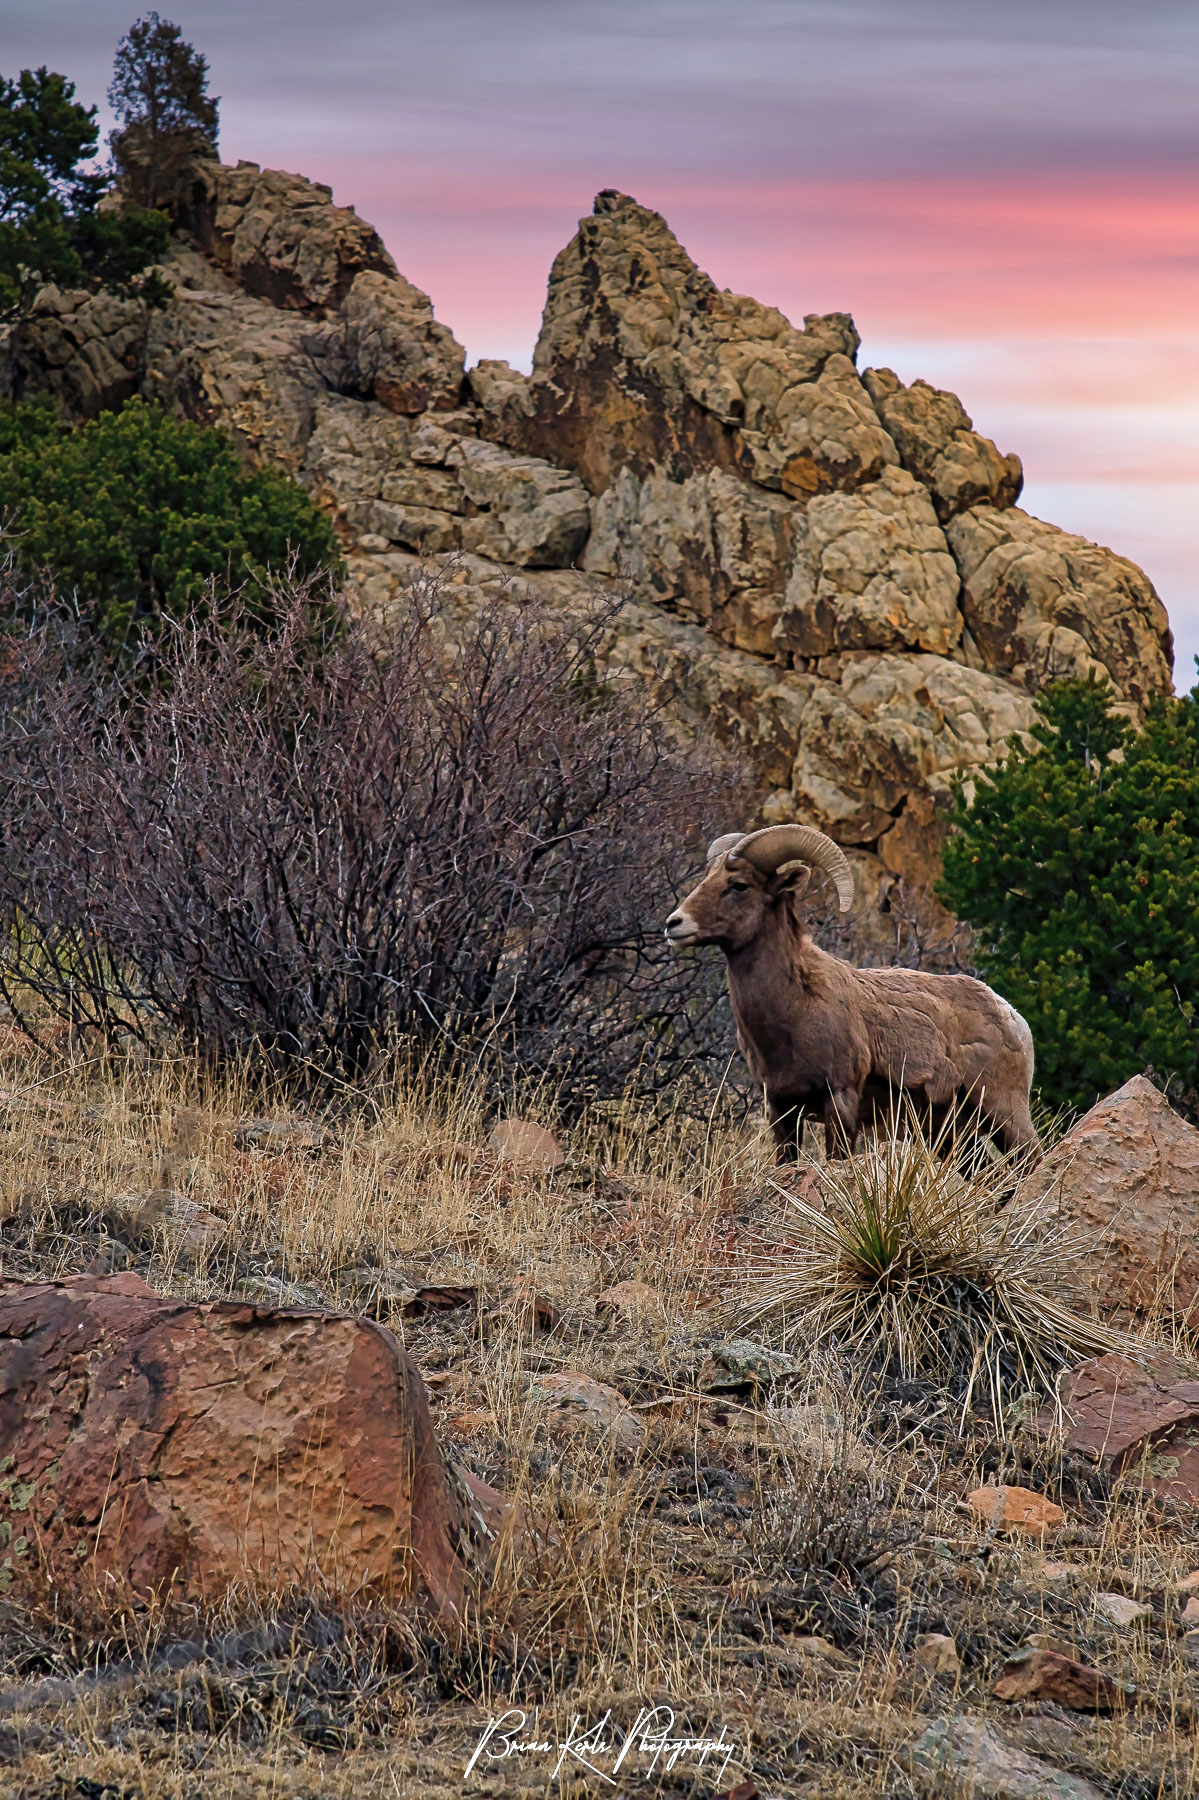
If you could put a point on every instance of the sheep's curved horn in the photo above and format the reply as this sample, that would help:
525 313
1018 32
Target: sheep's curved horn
721 844
770 848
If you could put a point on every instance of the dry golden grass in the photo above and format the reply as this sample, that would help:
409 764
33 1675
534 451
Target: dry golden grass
691 1565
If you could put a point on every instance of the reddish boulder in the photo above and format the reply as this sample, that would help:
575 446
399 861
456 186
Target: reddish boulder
1035 1674
1137 1416
186 1446
1128 1175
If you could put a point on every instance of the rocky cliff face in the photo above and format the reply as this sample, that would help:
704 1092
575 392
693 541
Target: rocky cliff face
830 565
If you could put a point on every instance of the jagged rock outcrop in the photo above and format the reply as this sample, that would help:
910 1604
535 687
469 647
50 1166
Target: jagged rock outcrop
826 565
280 237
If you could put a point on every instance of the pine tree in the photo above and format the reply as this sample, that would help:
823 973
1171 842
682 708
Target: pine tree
166 117
1077 862
137 512
51 226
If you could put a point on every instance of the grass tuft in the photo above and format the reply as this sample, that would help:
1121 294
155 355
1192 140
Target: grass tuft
918 1265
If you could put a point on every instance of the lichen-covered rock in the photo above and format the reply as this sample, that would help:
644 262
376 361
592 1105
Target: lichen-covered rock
885 726
85 350
384 344
524 511
434 487
223 358
1135 1415
643 363
871 571
713 547
937 441
1043 604
965 1756
280 237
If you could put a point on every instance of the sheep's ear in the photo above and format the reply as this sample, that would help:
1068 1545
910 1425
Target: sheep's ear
790 878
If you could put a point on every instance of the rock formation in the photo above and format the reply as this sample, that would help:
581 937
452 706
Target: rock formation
1135 1415
828 566
184 1446
1125 1180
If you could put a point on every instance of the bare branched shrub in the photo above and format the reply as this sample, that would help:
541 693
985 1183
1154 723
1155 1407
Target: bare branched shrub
321 847
826 1532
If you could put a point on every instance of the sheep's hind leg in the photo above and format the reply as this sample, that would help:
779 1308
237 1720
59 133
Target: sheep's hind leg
1015 1130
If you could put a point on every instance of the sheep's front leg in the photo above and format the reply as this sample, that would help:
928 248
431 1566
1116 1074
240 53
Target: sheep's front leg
786 1122
842 1121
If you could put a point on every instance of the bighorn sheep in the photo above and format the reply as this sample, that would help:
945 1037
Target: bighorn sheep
827 1039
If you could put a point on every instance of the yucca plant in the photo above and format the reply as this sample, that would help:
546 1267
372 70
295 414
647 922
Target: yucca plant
919 1265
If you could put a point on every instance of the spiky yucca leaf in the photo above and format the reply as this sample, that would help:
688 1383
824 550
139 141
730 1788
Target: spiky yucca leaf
921 1265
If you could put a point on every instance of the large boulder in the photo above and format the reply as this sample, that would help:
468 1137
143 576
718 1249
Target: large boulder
937 441
221 357
1136 1415
872 571
1127 1177
184 1447
85 350
280 237
436 487
384 344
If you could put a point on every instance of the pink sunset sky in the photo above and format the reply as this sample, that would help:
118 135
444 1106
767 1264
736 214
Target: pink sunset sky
1006 198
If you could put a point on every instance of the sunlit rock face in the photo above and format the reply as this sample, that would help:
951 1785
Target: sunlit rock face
826 566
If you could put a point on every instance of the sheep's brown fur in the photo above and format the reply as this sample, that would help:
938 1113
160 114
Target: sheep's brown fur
829 1040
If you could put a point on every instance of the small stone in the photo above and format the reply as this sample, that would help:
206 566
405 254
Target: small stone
269 1290
373 543
626 1299
1189 1646
1190 1612
577 1398
520 1141
1189 1584
1034 1674
278 1135
937 1654
1120 1611
741 1363
983 1764
1017 1510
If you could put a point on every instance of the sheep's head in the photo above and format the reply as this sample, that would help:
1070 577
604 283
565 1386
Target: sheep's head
748 874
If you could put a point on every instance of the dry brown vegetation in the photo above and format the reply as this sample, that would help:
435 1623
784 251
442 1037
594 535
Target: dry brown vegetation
759 1550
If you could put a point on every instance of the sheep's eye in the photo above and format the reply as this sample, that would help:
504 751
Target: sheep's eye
738 887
